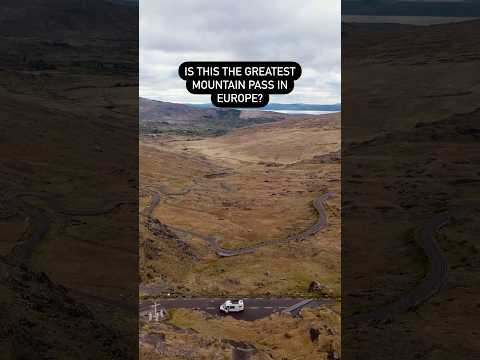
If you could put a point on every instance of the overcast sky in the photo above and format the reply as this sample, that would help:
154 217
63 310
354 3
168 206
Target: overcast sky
306 31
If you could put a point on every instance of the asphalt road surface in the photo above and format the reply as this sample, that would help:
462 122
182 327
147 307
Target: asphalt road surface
255 308
321 223
435 279
39 222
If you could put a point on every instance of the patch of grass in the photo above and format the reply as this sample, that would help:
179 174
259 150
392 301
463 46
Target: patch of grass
182 318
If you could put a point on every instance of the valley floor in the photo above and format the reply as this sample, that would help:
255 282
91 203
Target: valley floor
252 188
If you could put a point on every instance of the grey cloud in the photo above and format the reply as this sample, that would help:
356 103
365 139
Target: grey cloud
305 31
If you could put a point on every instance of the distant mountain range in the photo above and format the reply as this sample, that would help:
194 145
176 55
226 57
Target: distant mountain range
308 107
297 107
58 19
412 8
157 117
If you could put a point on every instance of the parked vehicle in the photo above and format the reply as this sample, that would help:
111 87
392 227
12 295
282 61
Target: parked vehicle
232 306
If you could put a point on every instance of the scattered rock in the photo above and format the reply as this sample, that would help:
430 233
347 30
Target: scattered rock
241 350
162 231
314 334
333 355
157 340
315 286
215 175
269 164
159 229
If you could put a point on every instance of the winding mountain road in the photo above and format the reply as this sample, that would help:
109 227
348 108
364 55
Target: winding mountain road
435 279
256 308
321 223
38 226
39 222
157 197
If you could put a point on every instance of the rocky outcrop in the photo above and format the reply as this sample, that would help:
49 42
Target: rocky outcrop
320 289
314 334
167 236
40 320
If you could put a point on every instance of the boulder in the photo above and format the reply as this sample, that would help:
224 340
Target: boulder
314 334
318 288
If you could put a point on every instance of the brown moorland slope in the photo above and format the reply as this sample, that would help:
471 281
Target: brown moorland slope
252 185
442 59
413 161
284 142
64 86
241 189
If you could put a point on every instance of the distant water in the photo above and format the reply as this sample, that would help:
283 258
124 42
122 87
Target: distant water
310 112
406 20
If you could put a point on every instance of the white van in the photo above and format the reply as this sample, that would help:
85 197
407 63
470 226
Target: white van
230 306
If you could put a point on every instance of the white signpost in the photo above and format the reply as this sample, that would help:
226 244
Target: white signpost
156 315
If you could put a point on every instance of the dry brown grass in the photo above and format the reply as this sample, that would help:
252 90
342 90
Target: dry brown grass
239 196
275 337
